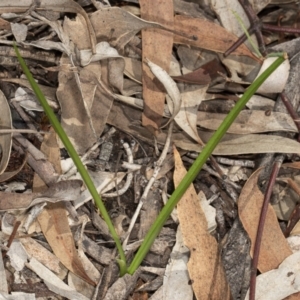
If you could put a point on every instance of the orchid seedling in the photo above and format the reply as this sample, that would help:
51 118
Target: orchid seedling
179 191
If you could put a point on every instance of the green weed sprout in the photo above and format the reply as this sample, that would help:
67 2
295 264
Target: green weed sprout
182 187
76 159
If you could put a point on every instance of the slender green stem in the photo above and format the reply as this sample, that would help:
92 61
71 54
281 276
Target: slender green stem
76 159
197 165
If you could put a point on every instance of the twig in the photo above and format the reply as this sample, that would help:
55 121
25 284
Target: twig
289 107
262 219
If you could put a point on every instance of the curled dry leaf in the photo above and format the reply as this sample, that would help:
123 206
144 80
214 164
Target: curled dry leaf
169 85
5 138
275 83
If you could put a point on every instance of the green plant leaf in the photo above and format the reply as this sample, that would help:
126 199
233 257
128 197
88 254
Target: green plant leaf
197 165
76 159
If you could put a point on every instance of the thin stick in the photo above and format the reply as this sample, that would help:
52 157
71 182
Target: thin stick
261 224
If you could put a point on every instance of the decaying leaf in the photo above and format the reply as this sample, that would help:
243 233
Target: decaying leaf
210 36
155 41
280 283
52 281
55 226
274 247
176 278
117 26
204 266
5 138
249 121
204 74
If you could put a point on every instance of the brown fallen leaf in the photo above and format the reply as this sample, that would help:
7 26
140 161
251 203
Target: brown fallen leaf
205 267
274 247
53 219
210 36
203 75
157 47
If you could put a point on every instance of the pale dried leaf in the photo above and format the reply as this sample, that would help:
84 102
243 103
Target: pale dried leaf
170 86
104 181
47 45
27 101
44 256
49 92
274 247
256 143
19 31
53 282
103 51
187 115
17 255
176 276
5 138
275 83
204 266
209 211
279 283
249 121
118 26
17 296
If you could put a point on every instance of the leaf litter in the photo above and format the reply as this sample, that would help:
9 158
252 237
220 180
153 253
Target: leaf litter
138 69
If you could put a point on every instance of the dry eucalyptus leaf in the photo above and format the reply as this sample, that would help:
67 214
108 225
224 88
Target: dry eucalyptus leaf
187 115
52 281
43 255
249 121
256 143
118 26
205 265
210 36
274 247
155 41
5 138
54 223
176 278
